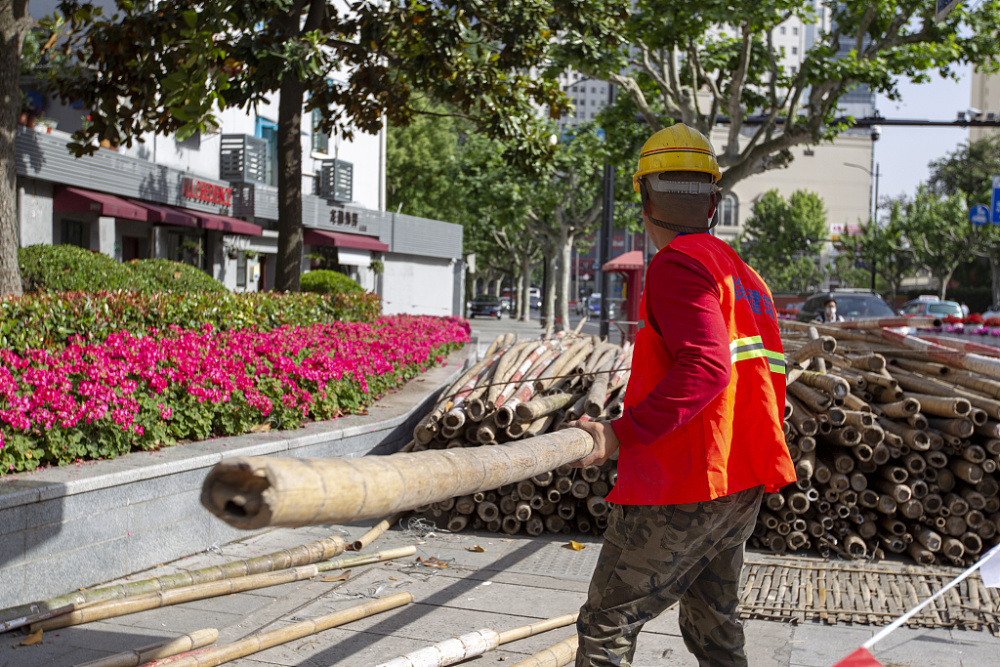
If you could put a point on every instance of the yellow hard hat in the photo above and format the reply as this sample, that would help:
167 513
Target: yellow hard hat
677 148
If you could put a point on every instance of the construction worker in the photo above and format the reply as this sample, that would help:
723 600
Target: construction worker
701 437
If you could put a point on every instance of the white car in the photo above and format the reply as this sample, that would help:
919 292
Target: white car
994 311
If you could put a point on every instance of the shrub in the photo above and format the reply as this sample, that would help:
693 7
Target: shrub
329 282
67 268
125 394
51 319
167 276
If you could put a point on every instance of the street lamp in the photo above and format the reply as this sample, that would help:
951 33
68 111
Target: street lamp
872 200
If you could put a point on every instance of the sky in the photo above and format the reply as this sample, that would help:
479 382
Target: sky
903 152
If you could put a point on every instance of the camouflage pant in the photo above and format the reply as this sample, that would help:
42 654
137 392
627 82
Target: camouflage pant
654 556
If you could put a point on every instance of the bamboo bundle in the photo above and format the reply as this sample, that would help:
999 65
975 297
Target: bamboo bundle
905 463
165 649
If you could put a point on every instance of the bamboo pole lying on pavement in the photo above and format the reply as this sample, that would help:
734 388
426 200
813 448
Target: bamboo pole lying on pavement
375 532
254 492
130 605
164 649
558 655
474 644
279 560
289 633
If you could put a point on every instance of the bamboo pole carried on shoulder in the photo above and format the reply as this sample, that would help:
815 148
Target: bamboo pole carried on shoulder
164 649
289 633
254 492
279 560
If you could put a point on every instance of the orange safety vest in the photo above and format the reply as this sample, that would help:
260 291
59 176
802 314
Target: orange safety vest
736 442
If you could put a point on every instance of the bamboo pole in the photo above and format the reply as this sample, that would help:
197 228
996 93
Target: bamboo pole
375 532
252 492
164 649
557 655
279 560
289 633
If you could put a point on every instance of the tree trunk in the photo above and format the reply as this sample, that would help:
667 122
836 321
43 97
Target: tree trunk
565 259
945 280
12 15
524 297
290 234
995 278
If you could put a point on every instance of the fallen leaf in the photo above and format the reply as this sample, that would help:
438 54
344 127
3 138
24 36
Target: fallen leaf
476 549
432 562
393 579
33 638
177 275
340 577
575 546
261 428
361 412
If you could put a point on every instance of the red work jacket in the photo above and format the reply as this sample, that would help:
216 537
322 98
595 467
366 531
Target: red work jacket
736 442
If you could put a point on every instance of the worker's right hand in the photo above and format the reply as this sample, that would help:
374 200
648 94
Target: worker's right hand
605 443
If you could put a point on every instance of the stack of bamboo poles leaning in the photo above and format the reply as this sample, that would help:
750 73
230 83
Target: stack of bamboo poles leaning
895 439
521 389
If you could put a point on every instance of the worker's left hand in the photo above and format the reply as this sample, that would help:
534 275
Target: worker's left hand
605 443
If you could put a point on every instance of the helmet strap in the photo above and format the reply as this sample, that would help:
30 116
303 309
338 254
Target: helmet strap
680 229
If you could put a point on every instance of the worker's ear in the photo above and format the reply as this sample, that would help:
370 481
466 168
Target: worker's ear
713 203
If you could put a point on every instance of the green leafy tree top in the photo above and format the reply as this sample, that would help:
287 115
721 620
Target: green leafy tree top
699 61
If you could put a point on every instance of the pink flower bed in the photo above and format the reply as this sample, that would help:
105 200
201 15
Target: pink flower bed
89 401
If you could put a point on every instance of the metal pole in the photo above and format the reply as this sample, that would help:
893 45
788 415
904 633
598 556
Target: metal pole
607 224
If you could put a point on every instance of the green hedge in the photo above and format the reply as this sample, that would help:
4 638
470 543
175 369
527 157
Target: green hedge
169 276
50 319
329 282
67 268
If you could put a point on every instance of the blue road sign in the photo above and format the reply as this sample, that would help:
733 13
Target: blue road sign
995 202
979 215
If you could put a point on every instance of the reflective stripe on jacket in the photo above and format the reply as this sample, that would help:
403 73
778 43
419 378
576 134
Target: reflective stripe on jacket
737 441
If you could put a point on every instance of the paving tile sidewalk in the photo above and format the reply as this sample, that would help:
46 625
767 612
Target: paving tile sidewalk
513 582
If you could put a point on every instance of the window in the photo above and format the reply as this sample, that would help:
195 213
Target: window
320 139
75 233
795 50
782 30
795 30
729 211
794 69
241 270
268 131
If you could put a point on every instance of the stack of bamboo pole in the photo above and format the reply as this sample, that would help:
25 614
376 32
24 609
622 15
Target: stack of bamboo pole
896 442
522 389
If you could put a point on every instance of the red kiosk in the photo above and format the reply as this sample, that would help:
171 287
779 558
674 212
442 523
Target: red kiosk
632 265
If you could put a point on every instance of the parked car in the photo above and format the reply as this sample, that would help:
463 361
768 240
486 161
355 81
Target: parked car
505 303
931 306
534 297
592 307
992 313
851 305
485 305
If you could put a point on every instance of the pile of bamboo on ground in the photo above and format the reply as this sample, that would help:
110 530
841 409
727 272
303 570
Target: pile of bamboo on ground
521 389
896 443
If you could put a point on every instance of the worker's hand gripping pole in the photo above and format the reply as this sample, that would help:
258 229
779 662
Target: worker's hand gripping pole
254 492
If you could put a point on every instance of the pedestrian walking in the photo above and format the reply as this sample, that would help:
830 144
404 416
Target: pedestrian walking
701 437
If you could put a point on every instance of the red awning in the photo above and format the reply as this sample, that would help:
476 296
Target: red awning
322 237
223 223
159 214
630 261
76 200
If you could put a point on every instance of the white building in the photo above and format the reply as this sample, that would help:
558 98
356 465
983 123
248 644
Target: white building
212 201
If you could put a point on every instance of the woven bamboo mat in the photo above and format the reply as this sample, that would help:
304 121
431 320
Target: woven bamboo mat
794 589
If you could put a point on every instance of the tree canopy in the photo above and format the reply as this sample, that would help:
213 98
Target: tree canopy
710 63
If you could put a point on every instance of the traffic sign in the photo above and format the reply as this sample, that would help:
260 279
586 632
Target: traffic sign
995 202
979 215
